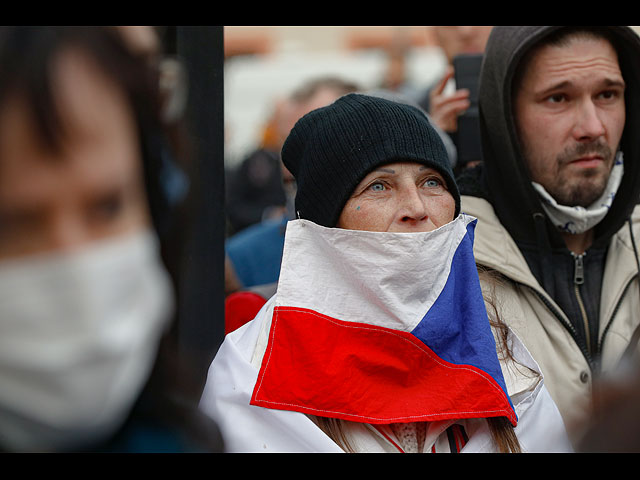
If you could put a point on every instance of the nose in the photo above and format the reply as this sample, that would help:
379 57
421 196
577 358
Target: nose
588 125
412 206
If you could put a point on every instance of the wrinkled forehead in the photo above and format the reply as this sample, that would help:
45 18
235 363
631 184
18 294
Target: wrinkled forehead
559 47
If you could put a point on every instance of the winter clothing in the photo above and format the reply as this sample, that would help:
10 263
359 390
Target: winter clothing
548 289
253 188
331 149
405 323
247 428
542 325
386 333
256 252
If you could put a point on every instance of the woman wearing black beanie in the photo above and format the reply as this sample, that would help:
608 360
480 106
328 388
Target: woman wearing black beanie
331 149
378 338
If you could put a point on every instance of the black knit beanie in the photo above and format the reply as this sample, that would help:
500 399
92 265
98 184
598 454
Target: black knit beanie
330 150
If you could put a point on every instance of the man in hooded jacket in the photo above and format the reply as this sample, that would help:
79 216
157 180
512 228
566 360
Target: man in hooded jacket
571 294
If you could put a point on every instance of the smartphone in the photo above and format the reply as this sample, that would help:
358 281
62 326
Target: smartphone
467 74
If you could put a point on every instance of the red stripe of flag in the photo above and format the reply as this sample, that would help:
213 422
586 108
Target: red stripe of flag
323 366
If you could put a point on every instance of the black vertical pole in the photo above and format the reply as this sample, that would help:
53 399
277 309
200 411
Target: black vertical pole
201 312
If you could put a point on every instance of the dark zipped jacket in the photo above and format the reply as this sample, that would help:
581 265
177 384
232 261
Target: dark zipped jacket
567 288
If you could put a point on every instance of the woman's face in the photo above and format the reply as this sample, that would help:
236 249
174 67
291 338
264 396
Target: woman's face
399 197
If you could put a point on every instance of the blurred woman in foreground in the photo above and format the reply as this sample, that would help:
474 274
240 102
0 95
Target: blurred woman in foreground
87 195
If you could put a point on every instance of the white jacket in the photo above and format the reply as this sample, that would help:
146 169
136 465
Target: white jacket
250 429
352 311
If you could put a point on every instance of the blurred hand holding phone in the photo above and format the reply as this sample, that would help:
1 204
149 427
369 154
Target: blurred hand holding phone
467 73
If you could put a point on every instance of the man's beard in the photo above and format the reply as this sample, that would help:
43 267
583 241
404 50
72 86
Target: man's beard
586 187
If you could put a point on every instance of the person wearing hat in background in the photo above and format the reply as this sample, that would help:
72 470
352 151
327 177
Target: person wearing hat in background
378 338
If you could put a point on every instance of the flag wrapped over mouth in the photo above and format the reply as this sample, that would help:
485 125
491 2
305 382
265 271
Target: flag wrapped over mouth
381 328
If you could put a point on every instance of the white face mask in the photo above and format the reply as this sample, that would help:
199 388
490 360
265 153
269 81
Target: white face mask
78 337
580 219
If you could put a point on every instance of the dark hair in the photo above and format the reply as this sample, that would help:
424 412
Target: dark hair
27 55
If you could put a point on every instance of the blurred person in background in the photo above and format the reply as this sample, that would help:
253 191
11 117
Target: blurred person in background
254 188
255 253
253 256
396 76
614 425
443 101
258 189
88 192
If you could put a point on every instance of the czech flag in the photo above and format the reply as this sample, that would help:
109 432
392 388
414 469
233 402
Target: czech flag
381 328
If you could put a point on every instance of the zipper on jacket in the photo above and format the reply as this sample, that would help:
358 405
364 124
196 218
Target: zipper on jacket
554 311
578 269
595 366
578 279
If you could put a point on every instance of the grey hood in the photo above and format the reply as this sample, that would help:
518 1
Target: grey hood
505 180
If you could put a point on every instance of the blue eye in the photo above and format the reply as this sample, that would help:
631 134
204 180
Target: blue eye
377 187
433 182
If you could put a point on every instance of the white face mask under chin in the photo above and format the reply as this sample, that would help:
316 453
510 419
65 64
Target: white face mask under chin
577 219
79 333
